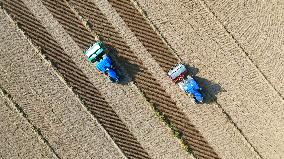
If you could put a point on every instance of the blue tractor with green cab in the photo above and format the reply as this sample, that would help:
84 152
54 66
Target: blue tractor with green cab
98 54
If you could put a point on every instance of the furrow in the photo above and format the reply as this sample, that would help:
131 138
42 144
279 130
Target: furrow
145 40
71 73
152 91
82 36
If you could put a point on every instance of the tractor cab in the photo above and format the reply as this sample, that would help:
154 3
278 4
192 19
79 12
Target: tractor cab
95 52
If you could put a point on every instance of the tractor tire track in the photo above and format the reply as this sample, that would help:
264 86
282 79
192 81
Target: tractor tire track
143 79
75 78
140 27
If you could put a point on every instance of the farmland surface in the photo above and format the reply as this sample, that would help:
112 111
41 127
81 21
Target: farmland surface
55 104
18 136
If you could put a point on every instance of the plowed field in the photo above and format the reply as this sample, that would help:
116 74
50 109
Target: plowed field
92 99
86 21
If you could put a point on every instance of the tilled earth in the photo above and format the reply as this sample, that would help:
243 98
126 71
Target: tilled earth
233 49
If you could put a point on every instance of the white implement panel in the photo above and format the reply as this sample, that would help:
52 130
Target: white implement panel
92 50
176 71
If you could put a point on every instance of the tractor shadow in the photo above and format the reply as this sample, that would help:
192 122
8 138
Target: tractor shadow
126 70
210 89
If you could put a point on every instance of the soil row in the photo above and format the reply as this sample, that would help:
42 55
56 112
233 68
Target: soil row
74 77
143 79
145 33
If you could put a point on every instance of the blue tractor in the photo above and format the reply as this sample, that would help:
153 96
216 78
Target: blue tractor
179 75
97 54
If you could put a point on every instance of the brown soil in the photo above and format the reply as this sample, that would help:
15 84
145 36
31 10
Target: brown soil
45 101
212 122
18 136
126 100
258 28
224 40
74 77
153 92
244 92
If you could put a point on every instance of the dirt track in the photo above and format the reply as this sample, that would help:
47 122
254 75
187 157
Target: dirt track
74 77
17 136
207 46
221 129
153 92
176 150
52 109
259 29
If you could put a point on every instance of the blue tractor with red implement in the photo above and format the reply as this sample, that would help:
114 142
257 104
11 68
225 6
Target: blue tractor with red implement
179 75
